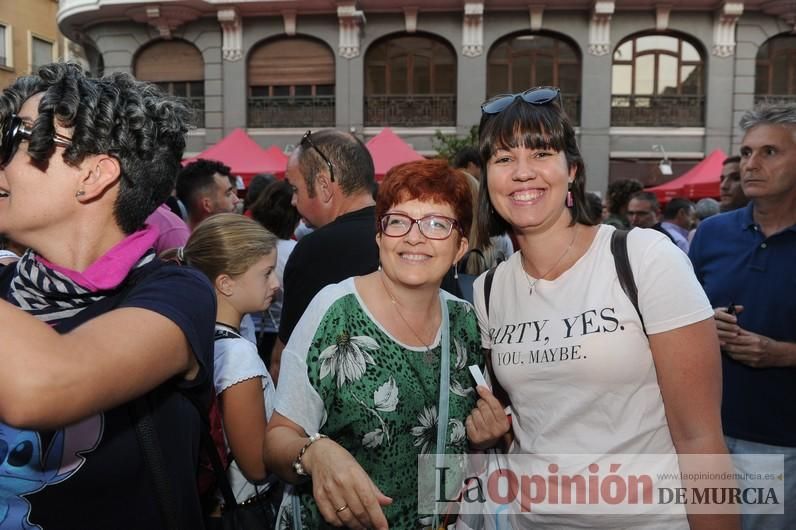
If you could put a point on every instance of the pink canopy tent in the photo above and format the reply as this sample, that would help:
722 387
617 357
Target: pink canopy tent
244 156
699 182
388 150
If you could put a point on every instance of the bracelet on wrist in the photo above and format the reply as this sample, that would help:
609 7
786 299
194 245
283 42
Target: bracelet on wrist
298 466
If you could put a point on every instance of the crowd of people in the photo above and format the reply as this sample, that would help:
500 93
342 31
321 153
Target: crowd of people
317 338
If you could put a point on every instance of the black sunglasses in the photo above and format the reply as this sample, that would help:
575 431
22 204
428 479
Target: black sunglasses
541 95
307 140
17 130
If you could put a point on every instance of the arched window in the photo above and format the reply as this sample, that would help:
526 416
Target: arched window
519 62
291 84
410 81
775 73
178 68
658 81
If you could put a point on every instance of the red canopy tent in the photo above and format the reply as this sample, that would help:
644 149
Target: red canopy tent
244 156
699 182
388 150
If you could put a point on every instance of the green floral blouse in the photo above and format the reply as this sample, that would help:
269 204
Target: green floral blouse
343 375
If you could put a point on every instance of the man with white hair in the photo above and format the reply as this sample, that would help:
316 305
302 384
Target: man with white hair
744 260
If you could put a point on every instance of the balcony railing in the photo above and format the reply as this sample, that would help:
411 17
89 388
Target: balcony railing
658 111
775 99
411 110
291 111
198 106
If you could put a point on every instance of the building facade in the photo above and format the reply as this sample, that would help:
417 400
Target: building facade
29 37
641 79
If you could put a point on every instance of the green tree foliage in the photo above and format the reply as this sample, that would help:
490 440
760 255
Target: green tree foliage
447 145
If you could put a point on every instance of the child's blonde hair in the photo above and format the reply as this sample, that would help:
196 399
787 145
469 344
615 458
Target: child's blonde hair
226 243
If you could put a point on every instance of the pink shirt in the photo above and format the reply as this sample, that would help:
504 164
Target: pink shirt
173 230
112 268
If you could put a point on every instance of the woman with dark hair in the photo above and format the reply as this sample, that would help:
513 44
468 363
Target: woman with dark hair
584 372
104 346
256 188
376 370
275 211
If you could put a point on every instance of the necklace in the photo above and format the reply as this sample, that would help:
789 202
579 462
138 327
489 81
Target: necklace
229 327
531 284
428 356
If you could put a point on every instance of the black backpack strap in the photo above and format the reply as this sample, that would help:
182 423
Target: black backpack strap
623 270
155 462
490 275
497 388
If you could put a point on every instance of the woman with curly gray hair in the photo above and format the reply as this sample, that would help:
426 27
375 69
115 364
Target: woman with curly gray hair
103 344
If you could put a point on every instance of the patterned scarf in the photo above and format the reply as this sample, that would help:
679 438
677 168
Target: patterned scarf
50 295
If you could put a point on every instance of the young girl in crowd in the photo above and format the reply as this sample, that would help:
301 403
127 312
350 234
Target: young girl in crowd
238 256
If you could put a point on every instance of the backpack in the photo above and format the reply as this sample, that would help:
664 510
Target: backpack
626 280
206 481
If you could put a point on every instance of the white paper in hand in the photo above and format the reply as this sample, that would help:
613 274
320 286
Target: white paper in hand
478 376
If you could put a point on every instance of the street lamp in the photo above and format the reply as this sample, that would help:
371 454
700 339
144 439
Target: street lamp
664 165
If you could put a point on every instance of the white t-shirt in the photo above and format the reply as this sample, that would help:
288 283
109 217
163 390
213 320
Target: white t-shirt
236 360
573 357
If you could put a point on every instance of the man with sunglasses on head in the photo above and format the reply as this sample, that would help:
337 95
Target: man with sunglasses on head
331 173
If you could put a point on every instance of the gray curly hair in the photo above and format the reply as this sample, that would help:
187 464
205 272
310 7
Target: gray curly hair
133 121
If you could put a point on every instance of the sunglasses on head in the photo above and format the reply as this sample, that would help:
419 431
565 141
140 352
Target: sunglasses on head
306 140
541 95
17 130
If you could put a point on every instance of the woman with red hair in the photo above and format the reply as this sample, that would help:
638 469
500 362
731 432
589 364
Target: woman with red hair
376 363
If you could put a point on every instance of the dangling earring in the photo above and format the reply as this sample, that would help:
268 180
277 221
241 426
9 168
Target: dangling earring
379 268
570 200
455 271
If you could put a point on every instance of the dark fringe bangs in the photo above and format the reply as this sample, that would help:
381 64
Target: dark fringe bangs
521 123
